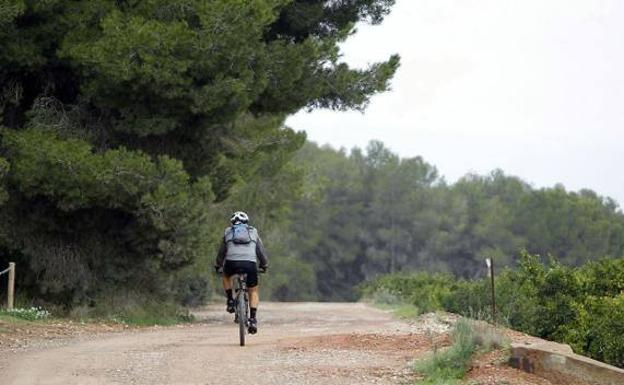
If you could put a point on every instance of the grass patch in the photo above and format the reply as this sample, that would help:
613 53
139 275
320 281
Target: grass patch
143 316
9 319
403 310
28 314
384 296
128 310
22 315
449 366
406 311
488 337
387 300
132 310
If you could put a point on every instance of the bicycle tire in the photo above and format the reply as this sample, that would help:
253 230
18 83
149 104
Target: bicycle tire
242 316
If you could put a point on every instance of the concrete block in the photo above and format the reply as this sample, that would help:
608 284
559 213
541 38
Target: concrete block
559 364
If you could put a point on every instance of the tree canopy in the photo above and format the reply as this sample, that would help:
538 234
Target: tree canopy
126 125
368 213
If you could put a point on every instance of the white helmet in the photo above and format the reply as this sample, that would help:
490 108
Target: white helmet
239 217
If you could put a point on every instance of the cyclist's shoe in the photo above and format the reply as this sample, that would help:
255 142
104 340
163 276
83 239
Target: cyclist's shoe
230 306
253 326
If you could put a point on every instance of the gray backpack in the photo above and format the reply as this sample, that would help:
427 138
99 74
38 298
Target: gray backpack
241 234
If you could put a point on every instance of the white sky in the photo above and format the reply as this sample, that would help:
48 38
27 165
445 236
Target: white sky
534 87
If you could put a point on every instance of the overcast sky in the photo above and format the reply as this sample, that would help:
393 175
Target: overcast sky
534 87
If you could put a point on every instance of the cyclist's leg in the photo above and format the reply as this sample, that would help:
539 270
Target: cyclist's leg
252 285
228 272
253 309
227 287
227 282
254 298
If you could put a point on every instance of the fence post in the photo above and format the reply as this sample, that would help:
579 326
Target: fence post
11 290
490 264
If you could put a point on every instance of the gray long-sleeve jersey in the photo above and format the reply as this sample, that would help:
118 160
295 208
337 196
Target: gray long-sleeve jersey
252 251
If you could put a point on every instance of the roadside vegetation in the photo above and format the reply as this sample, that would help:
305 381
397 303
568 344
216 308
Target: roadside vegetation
28 314
581 306
447 366
144 315
22 315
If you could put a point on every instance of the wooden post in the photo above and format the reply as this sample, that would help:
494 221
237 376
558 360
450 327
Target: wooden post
490 265
11 290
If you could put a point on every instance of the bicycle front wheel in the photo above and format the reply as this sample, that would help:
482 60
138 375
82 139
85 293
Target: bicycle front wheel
242 317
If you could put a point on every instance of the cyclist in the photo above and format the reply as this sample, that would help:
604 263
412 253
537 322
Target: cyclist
241 249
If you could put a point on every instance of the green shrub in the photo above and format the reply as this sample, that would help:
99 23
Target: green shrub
488 337
384 296
28 314
450 365
598 329
426 292
582 306
469 298
132 309
407 311
153 314
604 277
545 296
192 288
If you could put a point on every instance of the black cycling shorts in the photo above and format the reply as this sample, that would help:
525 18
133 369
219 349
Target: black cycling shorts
242 267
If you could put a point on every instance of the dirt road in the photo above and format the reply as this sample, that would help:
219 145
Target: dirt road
298 343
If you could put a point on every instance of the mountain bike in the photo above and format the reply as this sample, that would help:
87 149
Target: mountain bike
241 314
241 303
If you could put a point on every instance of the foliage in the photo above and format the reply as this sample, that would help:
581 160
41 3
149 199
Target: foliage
406 311
582 306
339 224
151 314
28 314
426 291
363 214
381 295
132 308
448 366
597 329
129 127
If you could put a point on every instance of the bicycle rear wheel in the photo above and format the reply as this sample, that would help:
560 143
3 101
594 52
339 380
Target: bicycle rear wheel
242 316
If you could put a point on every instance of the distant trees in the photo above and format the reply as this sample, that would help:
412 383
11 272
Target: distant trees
365 214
